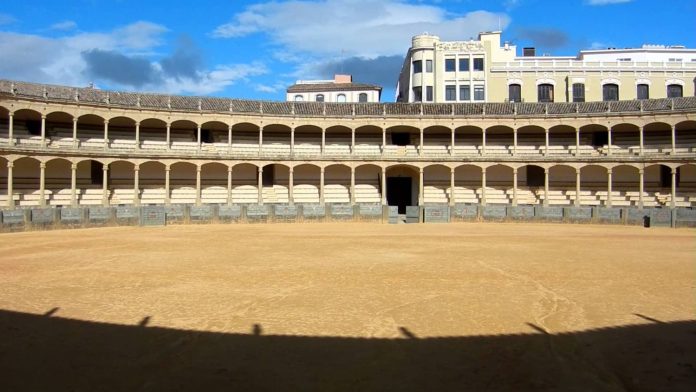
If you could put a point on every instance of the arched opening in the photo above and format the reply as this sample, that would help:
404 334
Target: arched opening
4 185
182 183
276 183
436 184
58 182
675 91
402 140
561 140
531 140
59 129
561 186
368 184
687 185
685 137
121 182
657 138
593 184
362 98
341 98
245 139
214 183
245 184
306 184
27 127
184 135
468 140
625 139
153 134
467 181
276 140
625 187
530 181
338 141
90 131
610 92
4 125
368 140
90 181
659 180
320 98
545 92
402 186
307 141
514 92
594 139
25 178
498 185
437 141
121 133
337 184
151 183
499 140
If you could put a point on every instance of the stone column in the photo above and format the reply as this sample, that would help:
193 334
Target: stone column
229 139
73 185
673 202
609 141
260 186
452 142
229 184
577 141
292 141
483 142
74 132
323 141
420 148
641 130
452 184
169 136
137 135
384 186
198 136
641 188
10 187
106 134
321 185
546 187
291 185
136 185
546 142
42 184
514 187
105 185
352 141
198 185
352 186
577 187
260 139
421 187
384 140
11 130
609 188
514 141
43 131
167 192
483 186
674 139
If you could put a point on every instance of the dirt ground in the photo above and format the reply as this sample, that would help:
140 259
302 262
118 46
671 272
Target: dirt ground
349 306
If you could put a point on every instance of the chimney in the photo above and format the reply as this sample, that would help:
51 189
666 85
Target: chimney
343 79
529 52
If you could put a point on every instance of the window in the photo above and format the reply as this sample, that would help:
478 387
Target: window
578 92
464 65
478 64
428 65
449 65
515 93
545 92
610 92
417 66
320 98
450 93
429 93
643 91
479 93
362 97
675 91
341 98
417 94
465 93
299 98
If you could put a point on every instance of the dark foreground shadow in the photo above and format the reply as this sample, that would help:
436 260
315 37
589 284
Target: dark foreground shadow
49 353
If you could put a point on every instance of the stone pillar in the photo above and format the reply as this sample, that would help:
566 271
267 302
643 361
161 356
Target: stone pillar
74 132
421 187
229 184
384 140
42 184
674 139
73 185
167 192
106 134
136 185
10 187
11 130
169 136
452 184
452 142
641 131
137 135
641 188
323 141
291 185
43 131
514 187
577 141
420 148
483 186
260 185
384 186
609 141
105 185
483 142
673 202
321 185
198 136
609 188
229 139
514 141
292 142
546 142
198 185
352 141
352 186
577 187
546 187
260 139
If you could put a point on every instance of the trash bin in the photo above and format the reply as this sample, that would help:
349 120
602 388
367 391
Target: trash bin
646 221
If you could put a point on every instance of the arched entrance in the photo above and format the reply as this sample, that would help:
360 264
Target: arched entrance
402 186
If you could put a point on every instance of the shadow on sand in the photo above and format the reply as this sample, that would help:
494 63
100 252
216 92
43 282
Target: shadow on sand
47 352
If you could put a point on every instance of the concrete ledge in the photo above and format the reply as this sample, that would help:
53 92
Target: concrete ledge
464 212
493 212
548 213
577 214
520 213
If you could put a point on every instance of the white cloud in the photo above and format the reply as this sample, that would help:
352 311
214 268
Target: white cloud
6 19
65 25
605 2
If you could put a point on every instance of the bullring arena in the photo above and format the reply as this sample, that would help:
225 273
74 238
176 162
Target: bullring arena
328 297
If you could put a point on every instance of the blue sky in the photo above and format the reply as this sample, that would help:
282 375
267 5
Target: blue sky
255 49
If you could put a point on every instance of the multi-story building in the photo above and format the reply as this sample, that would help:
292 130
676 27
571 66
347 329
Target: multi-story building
483 70
340 90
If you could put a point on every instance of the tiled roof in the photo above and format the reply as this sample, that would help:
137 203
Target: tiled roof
320 87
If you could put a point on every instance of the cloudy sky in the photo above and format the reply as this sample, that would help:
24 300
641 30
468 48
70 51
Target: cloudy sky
255 49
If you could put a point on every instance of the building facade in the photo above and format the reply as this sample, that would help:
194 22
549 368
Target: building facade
483 70
62 146
339 90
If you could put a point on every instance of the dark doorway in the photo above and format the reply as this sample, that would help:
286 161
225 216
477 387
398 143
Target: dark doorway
268 175
400 138
96 173
207 136
535 176
399 192
666 176
600 138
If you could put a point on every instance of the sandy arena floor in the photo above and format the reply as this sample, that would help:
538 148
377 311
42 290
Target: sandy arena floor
349 307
